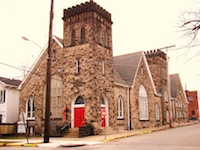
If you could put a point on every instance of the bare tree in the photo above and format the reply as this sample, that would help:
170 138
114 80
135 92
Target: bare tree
190 25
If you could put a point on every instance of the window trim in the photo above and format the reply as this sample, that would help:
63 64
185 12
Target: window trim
32 108
2 96
120 108
143 104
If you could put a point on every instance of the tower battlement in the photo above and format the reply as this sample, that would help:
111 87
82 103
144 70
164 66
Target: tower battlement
86 7
156 53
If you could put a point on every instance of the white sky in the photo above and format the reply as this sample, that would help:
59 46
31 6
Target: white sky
137 26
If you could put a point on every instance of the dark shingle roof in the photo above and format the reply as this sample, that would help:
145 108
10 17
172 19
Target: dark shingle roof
174 83
126 66
8 81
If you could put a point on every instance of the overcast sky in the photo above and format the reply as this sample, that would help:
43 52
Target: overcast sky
140 25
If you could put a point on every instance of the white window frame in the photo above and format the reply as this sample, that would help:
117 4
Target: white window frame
30 101
2 96
143 104
120 110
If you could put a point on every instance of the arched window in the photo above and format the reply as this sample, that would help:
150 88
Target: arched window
157 112
143 104
30 108
120 108
79 101
83 35
99 35
73 37
102 101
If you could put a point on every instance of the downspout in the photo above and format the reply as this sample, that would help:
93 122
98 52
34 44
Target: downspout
128 108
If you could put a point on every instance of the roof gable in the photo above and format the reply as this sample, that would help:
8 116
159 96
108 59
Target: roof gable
126 66
56 40
10 82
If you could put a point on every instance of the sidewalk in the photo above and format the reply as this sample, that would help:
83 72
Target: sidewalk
90 140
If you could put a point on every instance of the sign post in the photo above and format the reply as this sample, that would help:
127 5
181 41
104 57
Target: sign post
103 116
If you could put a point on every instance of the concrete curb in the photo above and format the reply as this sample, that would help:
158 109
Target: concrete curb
129 135
18 144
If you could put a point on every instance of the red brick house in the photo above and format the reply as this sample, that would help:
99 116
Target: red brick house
193 108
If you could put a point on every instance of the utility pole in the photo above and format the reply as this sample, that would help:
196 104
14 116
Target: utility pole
48 78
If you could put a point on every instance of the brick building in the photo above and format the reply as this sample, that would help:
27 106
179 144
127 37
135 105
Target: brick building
86 78
194 104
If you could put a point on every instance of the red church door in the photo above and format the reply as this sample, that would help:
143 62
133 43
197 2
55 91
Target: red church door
103 117
79 117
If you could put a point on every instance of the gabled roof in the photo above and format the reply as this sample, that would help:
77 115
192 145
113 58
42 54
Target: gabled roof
59 41
174 83
10 82
126 67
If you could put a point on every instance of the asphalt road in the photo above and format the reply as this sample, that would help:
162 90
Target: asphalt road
182 138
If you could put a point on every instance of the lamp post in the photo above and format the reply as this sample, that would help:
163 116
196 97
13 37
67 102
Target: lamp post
48 78
26 39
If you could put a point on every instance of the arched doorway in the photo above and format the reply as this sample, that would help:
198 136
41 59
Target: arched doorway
79 112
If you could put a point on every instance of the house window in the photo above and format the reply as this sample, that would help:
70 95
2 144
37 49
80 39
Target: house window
157 112
2 96
190 98
193 112
77 66
143 104
83 35
56 97
1 118
120 108
30 108
73 38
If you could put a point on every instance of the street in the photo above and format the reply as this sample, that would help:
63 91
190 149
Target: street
182 138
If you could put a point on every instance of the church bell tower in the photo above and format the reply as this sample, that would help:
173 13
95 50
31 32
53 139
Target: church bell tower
88 54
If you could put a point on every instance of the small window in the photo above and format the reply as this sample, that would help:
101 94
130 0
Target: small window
120 108
79 101
103 67
99 35
190 98
77 66
83 35
3 96
73 38
102 101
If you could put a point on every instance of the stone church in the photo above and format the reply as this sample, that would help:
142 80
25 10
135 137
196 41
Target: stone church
132 90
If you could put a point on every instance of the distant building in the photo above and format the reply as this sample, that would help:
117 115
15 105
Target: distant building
9 100
179 99
194 104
